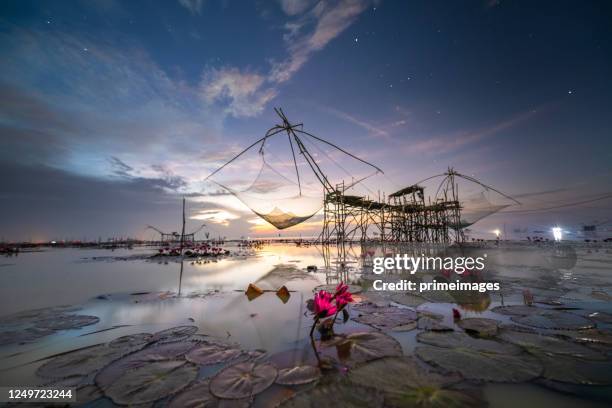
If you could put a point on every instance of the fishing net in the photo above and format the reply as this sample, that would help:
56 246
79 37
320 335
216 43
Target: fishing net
476 200
476 207
283 177
277 199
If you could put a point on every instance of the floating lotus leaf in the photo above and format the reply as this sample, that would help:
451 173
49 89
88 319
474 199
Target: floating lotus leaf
339 395
516 310
383 317
80 362
601 317
405 327
354 289
212 354
576 371
462 340
589 336
432 397
478 365
272 397
437 296
251 356
65 322
427 323
88 393
556 320
23 336
550 344
398 374
148 355
479 326
131 341
303 374
365 346
408 299
196 395
151 382
175 333
601 295
243 380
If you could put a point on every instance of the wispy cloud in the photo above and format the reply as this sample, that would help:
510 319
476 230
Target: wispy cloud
243 91
194 6
294 7
328 20
447 143
370 128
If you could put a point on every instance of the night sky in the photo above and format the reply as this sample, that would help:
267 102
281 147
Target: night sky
112 111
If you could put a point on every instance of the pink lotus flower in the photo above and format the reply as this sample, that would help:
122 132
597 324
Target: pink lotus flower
343 299
341 288
323 305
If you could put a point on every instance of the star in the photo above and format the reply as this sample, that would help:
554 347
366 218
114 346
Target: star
570 92
85 49
356 39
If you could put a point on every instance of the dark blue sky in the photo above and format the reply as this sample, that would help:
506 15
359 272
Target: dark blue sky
112 110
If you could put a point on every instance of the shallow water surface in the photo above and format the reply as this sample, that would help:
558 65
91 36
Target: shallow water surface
131 292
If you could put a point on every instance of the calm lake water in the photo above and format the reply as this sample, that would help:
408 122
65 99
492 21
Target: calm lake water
132 293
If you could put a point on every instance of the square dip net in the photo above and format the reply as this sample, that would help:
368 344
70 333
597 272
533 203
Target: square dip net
284 176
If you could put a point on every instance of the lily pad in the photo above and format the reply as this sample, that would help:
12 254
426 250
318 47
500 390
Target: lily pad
80 362
462 340
382 317
354 289
243 380
555 320
146 356
479 326
427 323
131 341
601 295
594 336
303 374
149 383
23 336
364 346
601 317
478 365
175 333
408 299
405 327
350 397
66 321
88 393
437 296
516 310
196 395
397 374
212 354
550 345
576 371
432 397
